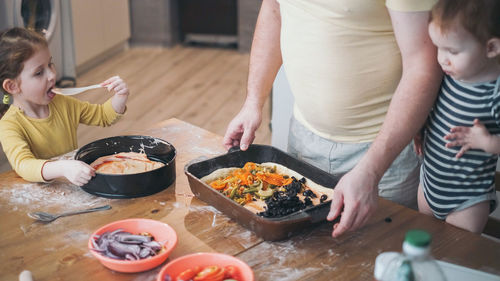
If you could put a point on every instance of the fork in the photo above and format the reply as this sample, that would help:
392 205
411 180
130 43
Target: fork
47 217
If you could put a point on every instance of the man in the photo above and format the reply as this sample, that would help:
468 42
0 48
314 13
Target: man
345 62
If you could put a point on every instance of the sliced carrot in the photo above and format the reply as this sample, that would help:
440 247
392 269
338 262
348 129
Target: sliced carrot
243 177
218 184
249 166
248 198
274 179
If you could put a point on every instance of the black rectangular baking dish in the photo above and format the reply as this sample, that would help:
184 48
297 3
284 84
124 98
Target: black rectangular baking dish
271 229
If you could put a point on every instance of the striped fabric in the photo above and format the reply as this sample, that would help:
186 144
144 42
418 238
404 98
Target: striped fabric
449 182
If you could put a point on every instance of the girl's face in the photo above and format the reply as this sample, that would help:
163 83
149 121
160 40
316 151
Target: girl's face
461 55
36 81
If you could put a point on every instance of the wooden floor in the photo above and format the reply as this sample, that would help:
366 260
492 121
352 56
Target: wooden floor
203 86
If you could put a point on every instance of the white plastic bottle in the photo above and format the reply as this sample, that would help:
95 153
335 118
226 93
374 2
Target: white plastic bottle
414 264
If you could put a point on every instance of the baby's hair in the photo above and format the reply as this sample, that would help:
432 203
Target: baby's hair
17 45
479 17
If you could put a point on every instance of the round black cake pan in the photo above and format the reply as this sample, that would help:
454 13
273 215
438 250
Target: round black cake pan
130 185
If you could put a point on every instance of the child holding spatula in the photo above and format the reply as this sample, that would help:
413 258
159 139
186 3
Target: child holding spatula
39 124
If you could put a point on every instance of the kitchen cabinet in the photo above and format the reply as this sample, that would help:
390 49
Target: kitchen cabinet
100 28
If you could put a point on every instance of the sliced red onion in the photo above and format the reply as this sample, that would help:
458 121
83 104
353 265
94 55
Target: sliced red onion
123 245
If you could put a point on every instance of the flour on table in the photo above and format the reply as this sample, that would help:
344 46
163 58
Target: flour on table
56 193
38 195
287 256
204 209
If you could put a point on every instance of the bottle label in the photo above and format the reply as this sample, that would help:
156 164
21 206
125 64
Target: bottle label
405 272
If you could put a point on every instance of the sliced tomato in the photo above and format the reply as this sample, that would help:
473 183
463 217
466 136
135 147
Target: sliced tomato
232 272
188 274
210 273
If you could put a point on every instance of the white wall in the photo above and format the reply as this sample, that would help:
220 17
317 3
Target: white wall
282 108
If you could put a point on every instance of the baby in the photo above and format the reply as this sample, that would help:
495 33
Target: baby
462 139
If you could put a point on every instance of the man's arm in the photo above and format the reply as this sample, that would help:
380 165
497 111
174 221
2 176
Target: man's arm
265 61
357 191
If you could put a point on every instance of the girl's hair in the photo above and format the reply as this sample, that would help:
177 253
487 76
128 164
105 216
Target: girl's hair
17 45
479 17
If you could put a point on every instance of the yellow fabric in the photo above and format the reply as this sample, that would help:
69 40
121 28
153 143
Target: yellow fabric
28 142
343 63
410 5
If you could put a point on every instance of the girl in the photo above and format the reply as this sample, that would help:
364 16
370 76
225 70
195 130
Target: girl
40 124
462 139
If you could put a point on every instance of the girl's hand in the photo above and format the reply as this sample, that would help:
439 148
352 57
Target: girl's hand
117 85
476 136
78 172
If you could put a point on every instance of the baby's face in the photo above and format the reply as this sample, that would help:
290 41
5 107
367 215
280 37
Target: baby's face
460 54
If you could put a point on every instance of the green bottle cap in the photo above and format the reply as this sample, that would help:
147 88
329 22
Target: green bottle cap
418 238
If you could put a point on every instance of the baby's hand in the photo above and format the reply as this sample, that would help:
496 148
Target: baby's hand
78 172
418 141
117 85
476 136
417 144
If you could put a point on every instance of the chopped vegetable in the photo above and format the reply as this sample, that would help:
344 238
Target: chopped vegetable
253 180
210 273
188 274
124 245
280 193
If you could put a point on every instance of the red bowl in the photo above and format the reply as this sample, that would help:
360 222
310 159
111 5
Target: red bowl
177 266
162 233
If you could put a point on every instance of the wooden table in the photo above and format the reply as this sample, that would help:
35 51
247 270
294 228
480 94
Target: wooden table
58 250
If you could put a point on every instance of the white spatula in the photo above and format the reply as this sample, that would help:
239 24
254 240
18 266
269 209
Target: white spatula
74 91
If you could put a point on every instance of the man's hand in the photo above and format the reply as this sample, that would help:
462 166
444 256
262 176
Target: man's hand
476 136
265 61
241 130
357 194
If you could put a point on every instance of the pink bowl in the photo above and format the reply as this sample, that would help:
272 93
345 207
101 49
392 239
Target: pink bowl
183 263
162 233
